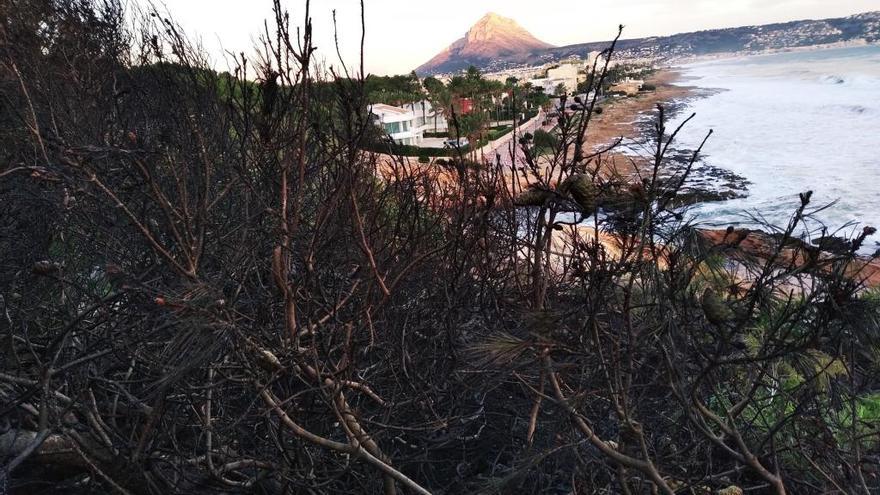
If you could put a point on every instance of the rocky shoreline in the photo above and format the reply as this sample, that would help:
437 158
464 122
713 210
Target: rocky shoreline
816 259
706 182
633 120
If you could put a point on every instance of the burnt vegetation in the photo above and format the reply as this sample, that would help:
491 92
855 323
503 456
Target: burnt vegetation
206 286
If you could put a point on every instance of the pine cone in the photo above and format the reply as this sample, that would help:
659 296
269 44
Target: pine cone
730 490
532 197
45 268
582 190
716 309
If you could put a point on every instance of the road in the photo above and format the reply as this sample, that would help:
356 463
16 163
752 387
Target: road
501 146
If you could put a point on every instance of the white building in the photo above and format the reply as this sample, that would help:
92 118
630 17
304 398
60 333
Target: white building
401 124
629 86
522 74
565 74
593 59
543 83
550 84
427 118
600 58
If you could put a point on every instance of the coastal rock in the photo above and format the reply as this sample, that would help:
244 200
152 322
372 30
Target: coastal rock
794 252
833 244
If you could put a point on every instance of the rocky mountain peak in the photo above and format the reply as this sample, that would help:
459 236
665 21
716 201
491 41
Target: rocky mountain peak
491 26
492 37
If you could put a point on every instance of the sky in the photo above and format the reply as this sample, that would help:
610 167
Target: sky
403 34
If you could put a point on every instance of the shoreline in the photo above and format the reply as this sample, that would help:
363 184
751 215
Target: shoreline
620 118
726 56
632 119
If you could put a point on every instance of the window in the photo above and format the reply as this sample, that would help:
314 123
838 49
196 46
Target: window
392 127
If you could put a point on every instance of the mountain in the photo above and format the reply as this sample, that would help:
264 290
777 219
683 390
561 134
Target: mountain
741 40
492 38
860 28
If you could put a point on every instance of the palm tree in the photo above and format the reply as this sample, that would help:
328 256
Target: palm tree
442 103
437 94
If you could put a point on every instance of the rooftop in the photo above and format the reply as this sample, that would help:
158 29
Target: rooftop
383 108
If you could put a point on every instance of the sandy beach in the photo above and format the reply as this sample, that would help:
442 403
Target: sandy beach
619 118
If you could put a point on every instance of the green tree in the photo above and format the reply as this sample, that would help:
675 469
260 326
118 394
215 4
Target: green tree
393 90
439 96
559 90
544 141
432 85
474 74
536 98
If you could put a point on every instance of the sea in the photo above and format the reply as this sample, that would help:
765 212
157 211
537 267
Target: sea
789 123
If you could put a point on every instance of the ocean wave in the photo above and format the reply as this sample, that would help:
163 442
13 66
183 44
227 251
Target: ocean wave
774 127
858 109
851 109
856 81
832 79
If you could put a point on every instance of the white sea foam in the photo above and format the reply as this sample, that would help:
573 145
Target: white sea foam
789 123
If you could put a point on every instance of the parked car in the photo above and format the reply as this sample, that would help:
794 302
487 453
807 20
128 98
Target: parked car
452 143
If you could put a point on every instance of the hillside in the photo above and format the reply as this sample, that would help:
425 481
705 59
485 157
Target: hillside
748 39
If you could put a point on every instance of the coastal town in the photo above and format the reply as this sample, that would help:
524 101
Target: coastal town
854 30
437 116
499 77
